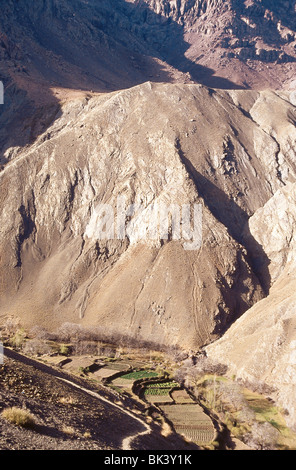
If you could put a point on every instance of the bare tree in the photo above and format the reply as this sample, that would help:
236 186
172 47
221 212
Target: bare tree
10 326
263 436
38 332
68 332
36 347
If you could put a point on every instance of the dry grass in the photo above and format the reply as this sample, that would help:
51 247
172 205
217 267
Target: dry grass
19 417
67 401
69 430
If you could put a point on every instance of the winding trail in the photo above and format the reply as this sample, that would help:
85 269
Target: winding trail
127 441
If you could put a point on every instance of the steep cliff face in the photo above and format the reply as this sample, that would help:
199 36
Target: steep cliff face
77 44
260 346
106 46
52 48
137 144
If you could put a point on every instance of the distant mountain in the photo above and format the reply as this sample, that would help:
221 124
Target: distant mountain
109 45
50 46
248 43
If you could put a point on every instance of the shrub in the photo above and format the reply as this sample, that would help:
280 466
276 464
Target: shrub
80 348
68 332
263 436
10 326
38 332
166 429
204 366
18 339
67 401
69 430
64 350
19 417
36 347
192 371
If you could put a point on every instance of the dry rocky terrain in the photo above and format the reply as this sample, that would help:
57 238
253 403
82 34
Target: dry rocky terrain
158 102
267 330
136 144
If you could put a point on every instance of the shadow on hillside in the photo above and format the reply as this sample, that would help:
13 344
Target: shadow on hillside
21 119
234 218
98 46
165 39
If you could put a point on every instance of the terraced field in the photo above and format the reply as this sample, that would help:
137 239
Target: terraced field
186 416
120 382
190 421
127 380
181 396
139 374
159 392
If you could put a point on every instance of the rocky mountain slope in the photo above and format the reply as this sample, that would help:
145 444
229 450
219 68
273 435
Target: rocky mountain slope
50 47
137 144
103 45
260 346
228 43
70 412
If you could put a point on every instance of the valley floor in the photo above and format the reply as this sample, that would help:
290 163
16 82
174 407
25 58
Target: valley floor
71 413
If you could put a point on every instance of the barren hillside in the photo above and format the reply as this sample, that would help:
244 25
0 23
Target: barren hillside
165 144
49 47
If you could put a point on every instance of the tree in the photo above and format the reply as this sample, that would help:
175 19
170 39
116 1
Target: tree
263 436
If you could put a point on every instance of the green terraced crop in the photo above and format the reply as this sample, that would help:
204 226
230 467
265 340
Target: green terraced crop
139 374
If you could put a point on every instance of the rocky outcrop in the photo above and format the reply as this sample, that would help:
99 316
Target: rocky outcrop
231 40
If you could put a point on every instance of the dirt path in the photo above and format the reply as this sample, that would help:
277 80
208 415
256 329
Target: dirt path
126 443
72 382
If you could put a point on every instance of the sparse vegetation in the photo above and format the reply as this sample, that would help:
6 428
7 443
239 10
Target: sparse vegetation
84 370
166 429
257 422
19 417
67 401
36 347
64 350
159 388
18 339
10 326
248 415
69 430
